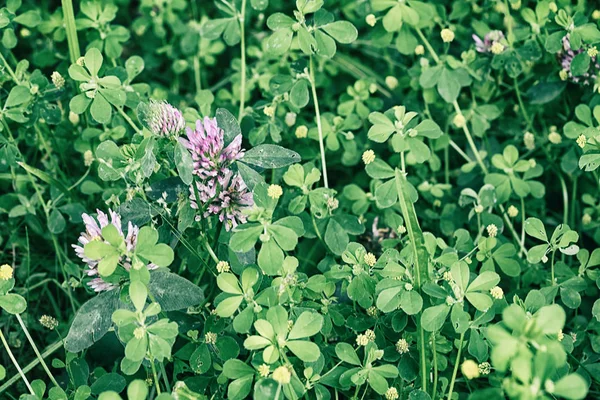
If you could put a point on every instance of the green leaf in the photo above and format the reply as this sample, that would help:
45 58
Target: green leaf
580 64
572 387
93 61
270 156
346 352
101 110
109 382
336 237
173 292
13 303
433 318
342 31
17 96
308 324
484 282
270 258
534 227
279 42
92 321
304 350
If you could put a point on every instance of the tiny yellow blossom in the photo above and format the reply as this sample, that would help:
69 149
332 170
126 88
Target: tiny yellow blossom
563 74
371 20
274 191
264 370
269 111
470 369
592 51
459 121
290 119
88 158
282 375
420 50
73 118
402 346
370 334
497 292
6 272
368 157
529 141
585 220
223 266
401 229
554 138
515 5
560 335
391 394
581 141
492 230
497 48
301 132
57 79
372 311
210 338
391 82
478 208
447 35
513 211
596 14
370 259
139 332
362 340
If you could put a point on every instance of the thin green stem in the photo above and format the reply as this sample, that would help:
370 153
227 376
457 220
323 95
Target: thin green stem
16 364
318 118
435 367
156 384
522 105
10 70
211 252
163 372
552 269
456 364
242 19
71 30
129 120
428 45
36 351
197 77
51 349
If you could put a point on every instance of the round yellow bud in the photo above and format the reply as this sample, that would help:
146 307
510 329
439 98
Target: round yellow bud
470 369
282 375
301 132
274 191
371 20
420 50
459 121
6 272
368 157
447 35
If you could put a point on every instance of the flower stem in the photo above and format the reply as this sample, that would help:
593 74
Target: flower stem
242 19
37 352
457 362
71 30
129 120
435 367
154 374
318 118
15 363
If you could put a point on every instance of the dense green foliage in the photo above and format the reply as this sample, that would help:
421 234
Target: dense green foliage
310 199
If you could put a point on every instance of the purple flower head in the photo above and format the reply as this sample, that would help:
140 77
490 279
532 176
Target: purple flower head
485 45
162 119
212 161
566 56
220 191
229 202
93 231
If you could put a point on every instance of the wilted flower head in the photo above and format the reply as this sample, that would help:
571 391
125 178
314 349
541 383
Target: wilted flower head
489 40
161 118
93 231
